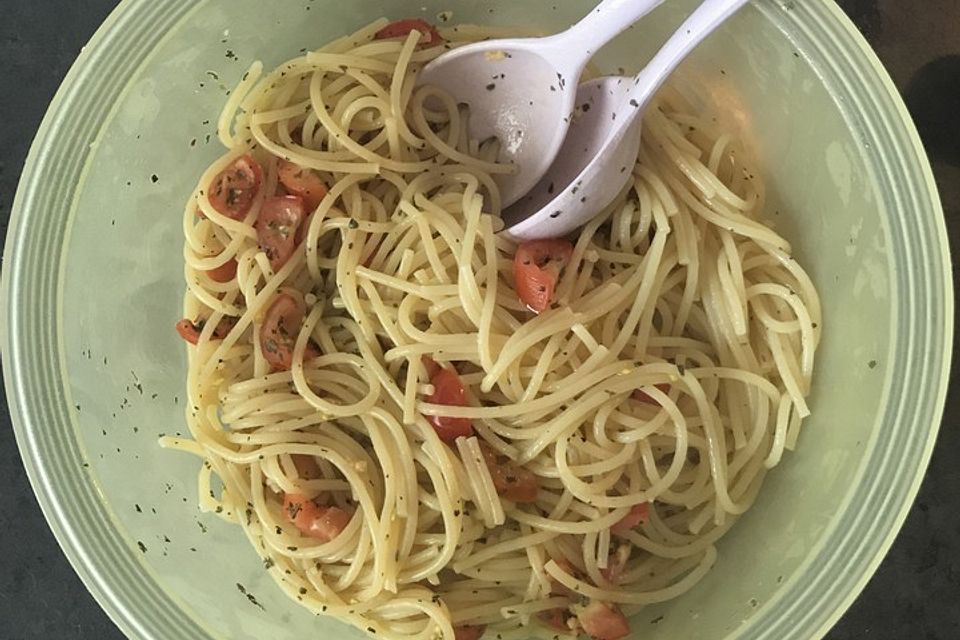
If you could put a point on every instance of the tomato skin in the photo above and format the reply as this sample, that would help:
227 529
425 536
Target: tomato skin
232 190
555 619
612 573
430 37
313 520
277 225
536 269
225 272
557 587
430 365
603 621
512 481
279 330
303 182
190 330
638 514
614 570
643 396
448 390
226 324
469 631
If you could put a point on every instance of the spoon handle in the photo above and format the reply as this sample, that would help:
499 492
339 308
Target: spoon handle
698 25
605 22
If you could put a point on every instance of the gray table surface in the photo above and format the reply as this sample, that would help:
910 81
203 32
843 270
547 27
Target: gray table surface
915 593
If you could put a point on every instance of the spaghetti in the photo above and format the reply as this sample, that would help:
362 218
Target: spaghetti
427 431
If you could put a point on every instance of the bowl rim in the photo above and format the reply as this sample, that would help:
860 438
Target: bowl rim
146 22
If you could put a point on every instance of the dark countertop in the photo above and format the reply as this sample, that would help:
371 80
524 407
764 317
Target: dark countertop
914 594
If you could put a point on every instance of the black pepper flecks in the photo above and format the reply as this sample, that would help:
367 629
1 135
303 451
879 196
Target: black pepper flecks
249 596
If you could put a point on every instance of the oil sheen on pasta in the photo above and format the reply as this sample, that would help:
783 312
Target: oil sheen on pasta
665 380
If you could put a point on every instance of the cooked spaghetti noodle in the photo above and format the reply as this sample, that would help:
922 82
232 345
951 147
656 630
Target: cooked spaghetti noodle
592 454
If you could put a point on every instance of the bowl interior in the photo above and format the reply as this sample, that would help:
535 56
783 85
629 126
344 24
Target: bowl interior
120 288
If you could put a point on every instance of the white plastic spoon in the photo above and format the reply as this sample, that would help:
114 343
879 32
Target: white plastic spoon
596 159
522 90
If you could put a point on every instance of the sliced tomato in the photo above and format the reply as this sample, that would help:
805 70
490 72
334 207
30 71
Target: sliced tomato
313 520
536 269
279 330
277 225
233 189
512 481
643 396
638 514
616 563
603 621
190 330
307 467
429 36
448 390
556 586
225 272
555 619
431 366
303 182
468 631
224 327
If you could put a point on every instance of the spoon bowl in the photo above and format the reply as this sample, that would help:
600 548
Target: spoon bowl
565 189
512 87
595 161
522 90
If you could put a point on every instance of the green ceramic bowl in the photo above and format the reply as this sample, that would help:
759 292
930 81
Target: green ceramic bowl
92 283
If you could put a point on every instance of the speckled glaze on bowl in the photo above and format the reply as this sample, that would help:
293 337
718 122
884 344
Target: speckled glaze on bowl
92 282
